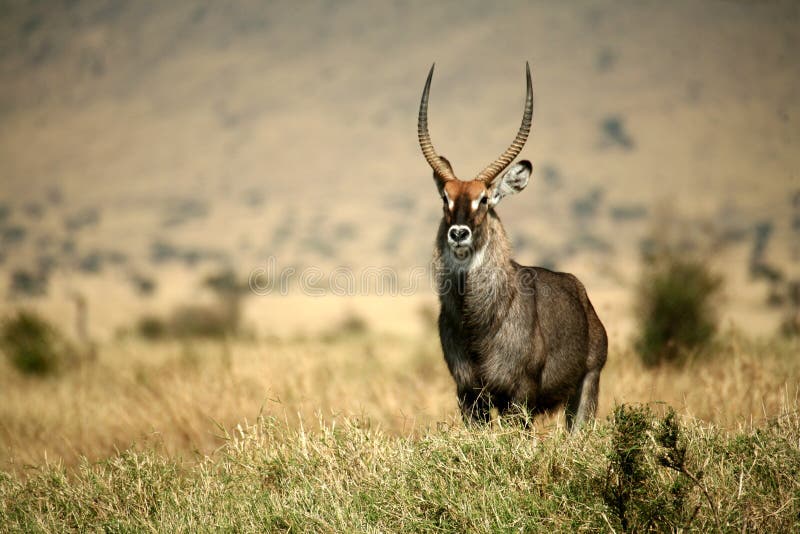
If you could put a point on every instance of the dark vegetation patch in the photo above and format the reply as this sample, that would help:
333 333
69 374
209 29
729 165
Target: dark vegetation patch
33 345
589 241
345 231
203 320
31 24
795 214
81 219
13 235
283 231
676 307
182 210
28 283
781 290
760 267
320 236
586 206
628 212
731 225
142 284
551 175
319 245
95 261
91 262
46 263
732 232
614 133
218 319
33 210
649 482
151 327
790 324
605 60
225 283
68 246
164 252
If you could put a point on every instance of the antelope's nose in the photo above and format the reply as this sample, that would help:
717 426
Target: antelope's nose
459 233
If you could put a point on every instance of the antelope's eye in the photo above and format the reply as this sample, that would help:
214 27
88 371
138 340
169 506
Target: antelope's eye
485 200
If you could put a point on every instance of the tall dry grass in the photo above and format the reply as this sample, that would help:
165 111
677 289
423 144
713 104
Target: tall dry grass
176 395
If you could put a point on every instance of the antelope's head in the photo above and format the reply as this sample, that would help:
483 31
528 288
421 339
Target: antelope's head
467 204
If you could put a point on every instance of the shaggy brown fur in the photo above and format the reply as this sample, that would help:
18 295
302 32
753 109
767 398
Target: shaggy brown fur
512 335
515 335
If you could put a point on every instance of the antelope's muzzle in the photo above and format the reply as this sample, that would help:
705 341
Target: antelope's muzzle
459 235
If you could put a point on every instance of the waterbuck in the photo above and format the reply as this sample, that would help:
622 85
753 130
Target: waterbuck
513 336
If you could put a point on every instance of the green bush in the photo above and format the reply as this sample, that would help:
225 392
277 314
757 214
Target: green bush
190 321
635 487
675 307
33 345
198 320
152 327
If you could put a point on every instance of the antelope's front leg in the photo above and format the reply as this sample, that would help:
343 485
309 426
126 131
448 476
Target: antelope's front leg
475 404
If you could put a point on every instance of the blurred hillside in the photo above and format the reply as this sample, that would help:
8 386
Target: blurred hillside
145 144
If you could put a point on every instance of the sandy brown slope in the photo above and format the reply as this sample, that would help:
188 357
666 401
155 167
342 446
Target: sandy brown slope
286 130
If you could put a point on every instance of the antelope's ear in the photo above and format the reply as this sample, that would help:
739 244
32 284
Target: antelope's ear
441 180
512 181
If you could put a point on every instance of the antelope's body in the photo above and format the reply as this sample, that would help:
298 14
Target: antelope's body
512 336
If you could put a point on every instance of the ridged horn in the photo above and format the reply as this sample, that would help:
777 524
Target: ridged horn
439 167
490 172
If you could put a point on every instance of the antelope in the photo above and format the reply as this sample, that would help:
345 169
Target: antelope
513 337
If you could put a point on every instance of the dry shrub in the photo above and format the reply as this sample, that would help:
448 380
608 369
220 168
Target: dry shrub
220 318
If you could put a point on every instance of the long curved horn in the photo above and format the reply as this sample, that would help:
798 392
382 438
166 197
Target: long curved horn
439 167
488 174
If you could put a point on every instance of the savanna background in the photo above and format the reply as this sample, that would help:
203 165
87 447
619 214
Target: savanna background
159 158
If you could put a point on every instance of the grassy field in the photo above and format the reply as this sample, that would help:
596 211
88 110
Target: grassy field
637 471
174 394
357 431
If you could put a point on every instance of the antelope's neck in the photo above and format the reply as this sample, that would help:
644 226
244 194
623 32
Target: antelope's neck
478 290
